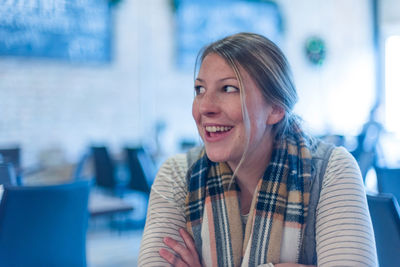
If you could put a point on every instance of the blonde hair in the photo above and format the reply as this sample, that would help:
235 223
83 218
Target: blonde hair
269 69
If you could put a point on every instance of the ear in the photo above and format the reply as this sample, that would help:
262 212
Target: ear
276 115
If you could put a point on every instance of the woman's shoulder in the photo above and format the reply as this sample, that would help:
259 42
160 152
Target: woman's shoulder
342 157
325 150
174 167
177 160
171 175
342 167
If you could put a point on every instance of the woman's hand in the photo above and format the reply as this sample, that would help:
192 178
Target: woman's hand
186 256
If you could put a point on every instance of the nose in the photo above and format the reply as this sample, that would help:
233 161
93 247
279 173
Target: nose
209 105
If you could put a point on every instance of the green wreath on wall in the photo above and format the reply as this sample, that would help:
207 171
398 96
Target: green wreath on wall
315 50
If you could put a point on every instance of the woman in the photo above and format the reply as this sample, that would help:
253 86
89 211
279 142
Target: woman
261 192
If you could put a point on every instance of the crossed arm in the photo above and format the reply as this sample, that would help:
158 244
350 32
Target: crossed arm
343 230
186 255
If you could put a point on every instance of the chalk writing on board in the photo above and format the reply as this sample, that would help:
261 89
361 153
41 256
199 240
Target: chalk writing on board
76 30
203 21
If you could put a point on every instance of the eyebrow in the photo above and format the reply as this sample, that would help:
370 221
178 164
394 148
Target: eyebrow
220 80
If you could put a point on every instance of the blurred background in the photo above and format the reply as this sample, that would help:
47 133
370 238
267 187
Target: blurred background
82 74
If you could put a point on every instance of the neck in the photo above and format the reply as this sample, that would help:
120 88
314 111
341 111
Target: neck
248 176
252 169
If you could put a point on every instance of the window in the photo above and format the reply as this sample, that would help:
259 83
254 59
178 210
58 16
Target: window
392 83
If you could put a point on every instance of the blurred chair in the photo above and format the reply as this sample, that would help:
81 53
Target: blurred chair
44 225
7 174
367 151
105 171
388 181
366 160
13 155
385 215
79 172
141 169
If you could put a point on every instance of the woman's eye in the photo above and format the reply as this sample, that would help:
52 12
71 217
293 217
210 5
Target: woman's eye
230 89
199 89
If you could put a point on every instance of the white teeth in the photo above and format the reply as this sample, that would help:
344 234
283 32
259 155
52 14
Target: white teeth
213 129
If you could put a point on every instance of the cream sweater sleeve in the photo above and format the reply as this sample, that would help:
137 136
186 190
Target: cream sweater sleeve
344 233
165 214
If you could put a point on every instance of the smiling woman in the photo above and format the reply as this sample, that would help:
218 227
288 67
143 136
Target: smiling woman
217 105
260 192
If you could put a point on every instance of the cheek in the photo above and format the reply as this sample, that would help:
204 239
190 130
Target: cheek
258 126
195 111
234 111
258 114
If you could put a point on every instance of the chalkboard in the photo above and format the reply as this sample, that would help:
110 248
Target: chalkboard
74 30
203 21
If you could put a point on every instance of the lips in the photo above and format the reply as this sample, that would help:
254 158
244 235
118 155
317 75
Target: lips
214 133
214 129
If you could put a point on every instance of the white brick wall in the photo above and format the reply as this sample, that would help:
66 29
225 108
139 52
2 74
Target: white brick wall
45 104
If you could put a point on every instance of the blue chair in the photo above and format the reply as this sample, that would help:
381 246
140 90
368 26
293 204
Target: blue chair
105 171
12 156
80 166
7 174
141 169
44 225
385 216
388 181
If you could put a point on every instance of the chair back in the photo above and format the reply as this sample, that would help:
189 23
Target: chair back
12 156
141 168
80 167
365 160
385 216
44 225
366 152
104 168
388 181
7 174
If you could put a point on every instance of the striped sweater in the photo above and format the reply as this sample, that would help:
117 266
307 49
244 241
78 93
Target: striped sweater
344 234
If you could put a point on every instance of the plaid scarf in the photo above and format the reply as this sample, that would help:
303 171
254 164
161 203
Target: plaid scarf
276 222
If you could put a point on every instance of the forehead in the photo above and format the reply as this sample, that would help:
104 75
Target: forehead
215 68
216 65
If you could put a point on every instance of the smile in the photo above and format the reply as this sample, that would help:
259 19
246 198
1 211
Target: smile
214 129
214 133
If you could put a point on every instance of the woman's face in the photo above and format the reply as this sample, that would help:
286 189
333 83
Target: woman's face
218 113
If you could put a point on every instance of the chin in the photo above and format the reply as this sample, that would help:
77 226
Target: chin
217 155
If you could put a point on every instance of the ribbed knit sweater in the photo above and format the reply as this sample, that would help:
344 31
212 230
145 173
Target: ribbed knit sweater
344 235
